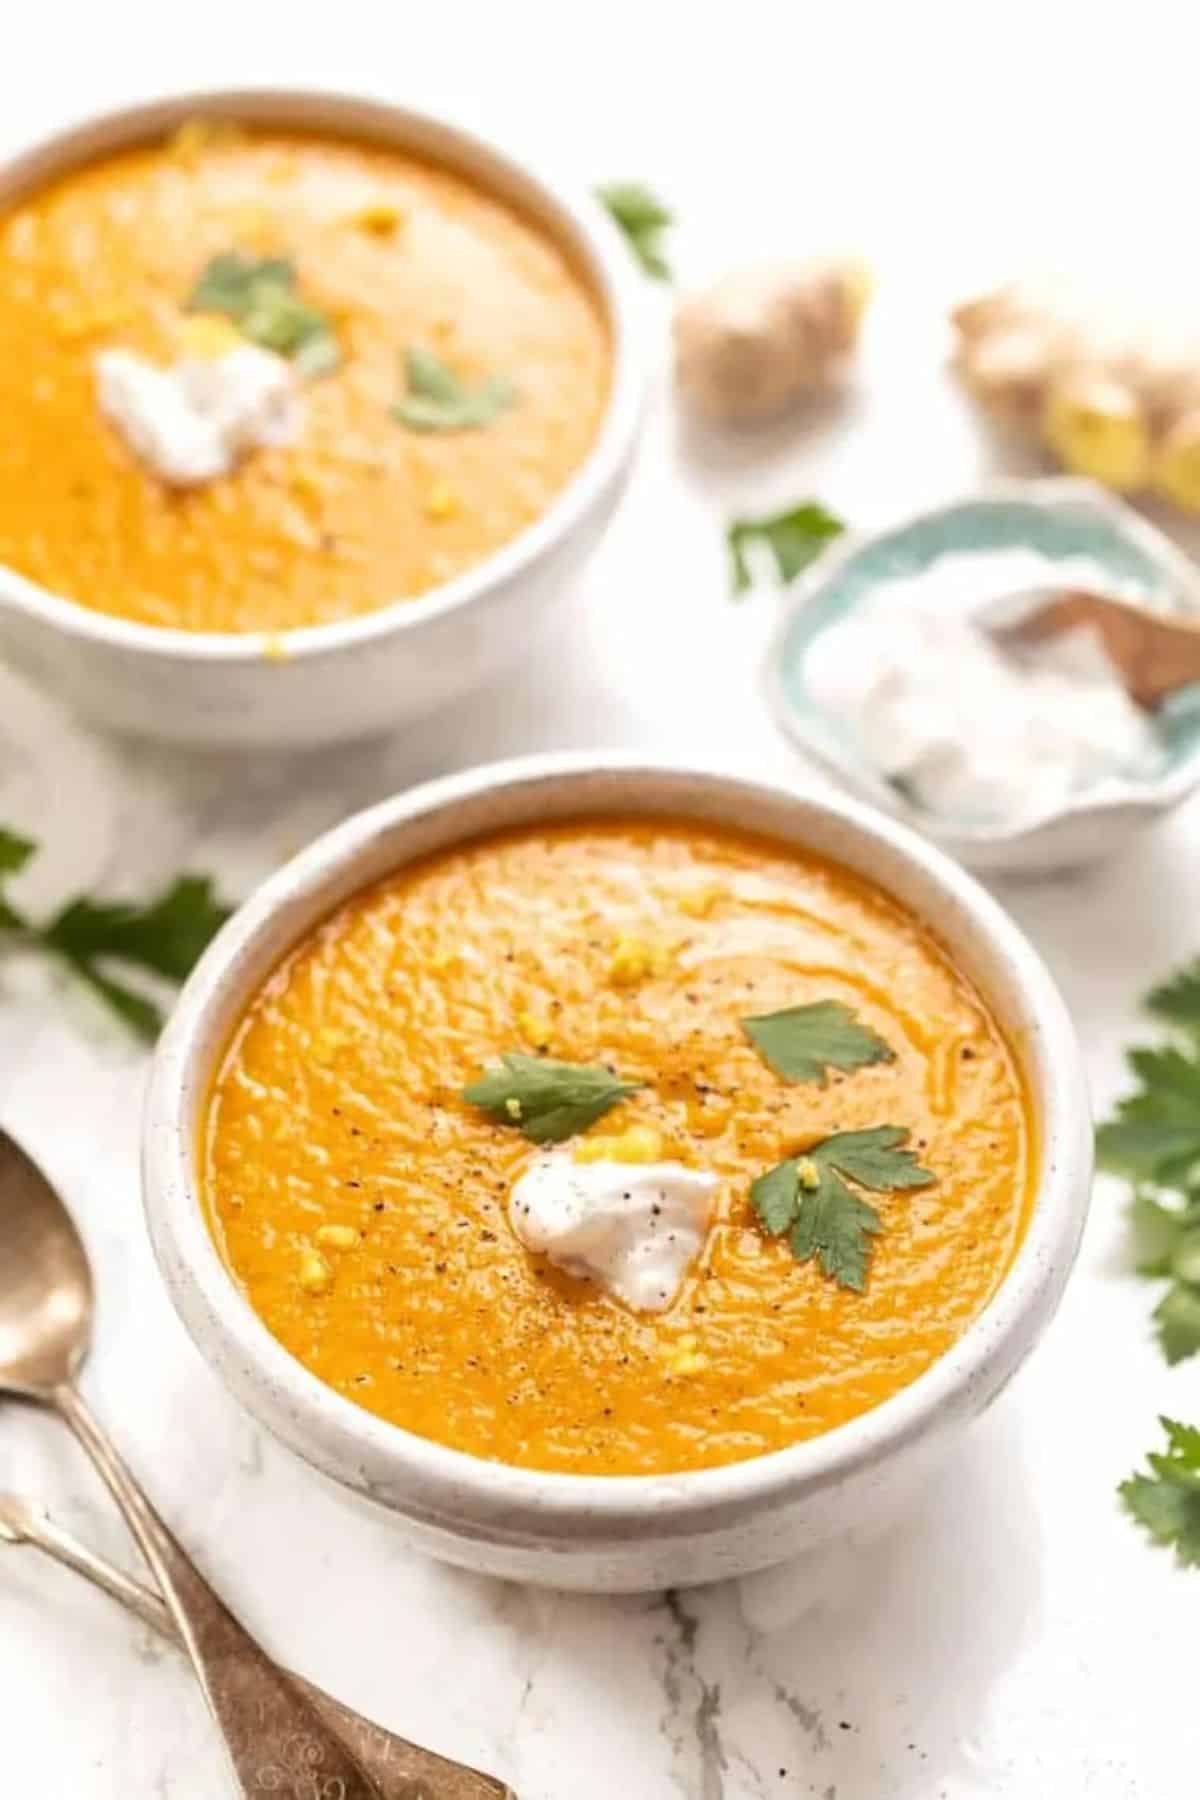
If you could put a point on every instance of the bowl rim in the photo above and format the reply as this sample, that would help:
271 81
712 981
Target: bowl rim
585 224
440 1481
1049 493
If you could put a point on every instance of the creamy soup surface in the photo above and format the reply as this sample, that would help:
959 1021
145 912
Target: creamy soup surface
640 945
397 254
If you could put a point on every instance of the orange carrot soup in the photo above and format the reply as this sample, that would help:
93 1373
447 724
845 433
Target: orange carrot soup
260 380
618 1147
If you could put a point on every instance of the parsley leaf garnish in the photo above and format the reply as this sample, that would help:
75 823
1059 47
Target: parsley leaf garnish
795 538
836 1227
873 1158
1153 1140
259 295
801 1042
230 283
1167 1501
807 1197
643 218
100 941
437 400
546 1099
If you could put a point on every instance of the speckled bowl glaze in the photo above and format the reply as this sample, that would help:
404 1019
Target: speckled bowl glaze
382 669
618 1532
1061 518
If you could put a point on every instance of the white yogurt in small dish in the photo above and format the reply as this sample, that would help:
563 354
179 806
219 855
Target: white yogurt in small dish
1010 762
964 726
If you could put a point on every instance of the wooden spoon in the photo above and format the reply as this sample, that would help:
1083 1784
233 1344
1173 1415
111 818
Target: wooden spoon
1154 655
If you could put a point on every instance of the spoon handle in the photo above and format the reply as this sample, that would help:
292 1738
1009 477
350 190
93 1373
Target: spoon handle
278 1743
400 1767
38 1529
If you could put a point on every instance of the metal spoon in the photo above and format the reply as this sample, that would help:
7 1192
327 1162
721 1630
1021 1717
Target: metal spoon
277 1741
403 1771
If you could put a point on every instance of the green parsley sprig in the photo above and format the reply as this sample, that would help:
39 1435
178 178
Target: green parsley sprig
1153 1140
807 1198
643 218
794 538
802 1042
102 942
437 400
546 1099
1167 1500
259 294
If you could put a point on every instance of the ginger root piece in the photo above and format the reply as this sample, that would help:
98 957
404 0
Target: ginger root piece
760 339
1097 426
1104 402
1176 473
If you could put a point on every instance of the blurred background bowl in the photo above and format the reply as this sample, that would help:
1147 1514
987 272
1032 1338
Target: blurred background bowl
376 672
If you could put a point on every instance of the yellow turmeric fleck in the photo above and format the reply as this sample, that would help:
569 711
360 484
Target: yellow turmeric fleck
634 960
316 1276
698 902
637 1144
684 1356
208 335
534 1027
378 219
441 502
337 1237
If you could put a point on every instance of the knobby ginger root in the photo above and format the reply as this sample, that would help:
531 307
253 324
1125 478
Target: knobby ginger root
1099 398
760 339
1096 425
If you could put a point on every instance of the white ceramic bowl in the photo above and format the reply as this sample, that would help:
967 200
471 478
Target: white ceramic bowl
623 1532
1065 519
384 668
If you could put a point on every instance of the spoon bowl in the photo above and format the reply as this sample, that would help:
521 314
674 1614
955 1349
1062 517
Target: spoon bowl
46 1302
46 1294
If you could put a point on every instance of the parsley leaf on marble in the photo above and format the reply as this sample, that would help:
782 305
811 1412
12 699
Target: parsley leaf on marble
259 294
1153 1141
1167 1500
15 852
437 400
103 941
794 537
802 1042
643 218
166 937
807 1198
546 1099
1177 1000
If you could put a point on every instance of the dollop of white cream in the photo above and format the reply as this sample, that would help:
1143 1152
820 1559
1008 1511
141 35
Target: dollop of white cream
191 422
962 725
633 1227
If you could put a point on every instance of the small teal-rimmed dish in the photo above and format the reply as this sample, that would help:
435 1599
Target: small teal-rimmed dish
1062 519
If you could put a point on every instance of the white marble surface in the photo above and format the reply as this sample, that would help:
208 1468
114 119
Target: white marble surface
1017 1638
